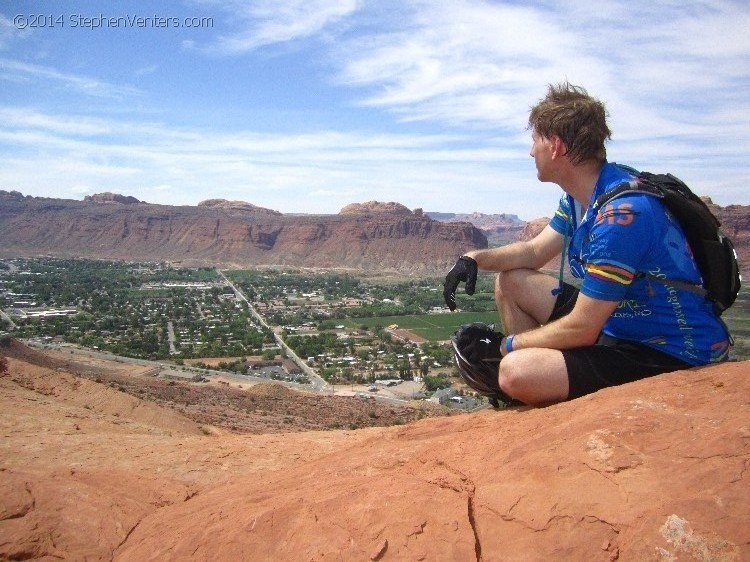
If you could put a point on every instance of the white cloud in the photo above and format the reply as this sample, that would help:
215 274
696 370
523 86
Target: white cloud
29 120
481 63
456 78
146 70
82 190
268 22
292 173
9 32
21 71
460 62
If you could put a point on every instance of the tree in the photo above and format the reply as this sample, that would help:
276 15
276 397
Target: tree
3 365
404 369
436 383
424 368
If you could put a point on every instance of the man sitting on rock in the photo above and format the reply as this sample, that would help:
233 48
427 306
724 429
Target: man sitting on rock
620 326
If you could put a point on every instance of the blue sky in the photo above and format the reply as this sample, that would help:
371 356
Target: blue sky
309 105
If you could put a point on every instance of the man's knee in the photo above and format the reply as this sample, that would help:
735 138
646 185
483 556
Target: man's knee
510 284
533 376
507 281
510 376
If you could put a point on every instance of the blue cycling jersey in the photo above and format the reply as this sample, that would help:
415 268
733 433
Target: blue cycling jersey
637 234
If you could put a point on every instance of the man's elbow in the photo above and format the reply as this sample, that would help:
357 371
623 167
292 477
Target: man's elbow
587 319
589 337
585 334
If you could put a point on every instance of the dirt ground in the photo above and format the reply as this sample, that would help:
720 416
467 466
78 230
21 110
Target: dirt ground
236 405
655 469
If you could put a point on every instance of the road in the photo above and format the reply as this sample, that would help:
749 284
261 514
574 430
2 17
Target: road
8 319
316 381
170 335
156 367
167 369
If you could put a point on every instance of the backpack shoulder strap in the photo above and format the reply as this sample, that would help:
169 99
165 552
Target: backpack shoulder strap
626 188
631 187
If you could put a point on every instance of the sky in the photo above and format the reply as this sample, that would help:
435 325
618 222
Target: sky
306 106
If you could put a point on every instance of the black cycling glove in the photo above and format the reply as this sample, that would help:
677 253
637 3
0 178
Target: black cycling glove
465 270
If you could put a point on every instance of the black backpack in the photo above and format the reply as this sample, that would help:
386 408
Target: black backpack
713 252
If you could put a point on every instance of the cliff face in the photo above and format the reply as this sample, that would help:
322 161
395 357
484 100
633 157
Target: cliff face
371 236
500 229
230 234
735 223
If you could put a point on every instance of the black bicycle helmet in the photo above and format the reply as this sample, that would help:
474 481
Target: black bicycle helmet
476 348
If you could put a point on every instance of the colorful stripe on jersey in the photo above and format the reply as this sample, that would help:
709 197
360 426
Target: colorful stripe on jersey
563 215
610 272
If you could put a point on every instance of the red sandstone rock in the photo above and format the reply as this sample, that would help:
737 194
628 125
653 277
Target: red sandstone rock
232 234
735 223
532 228
111 198
240 206
375 207
655 470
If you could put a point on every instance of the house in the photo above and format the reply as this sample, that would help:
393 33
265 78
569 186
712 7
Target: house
443 395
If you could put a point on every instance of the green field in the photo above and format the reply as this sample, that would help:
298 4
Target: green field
432 327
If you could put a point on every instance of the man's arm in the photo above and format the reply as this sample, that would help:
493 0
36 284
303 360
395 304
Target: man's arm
519 255
532 254
580 328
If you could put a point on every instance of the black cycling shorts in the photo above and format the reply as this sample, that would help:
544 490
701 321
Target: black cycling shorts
610 361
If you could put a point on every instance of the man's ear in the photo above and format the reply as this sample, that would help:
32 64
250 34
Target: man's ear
558 147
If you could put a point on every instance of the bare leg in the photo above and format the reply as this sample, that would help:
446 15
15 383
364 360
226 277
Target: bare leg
535 376
525 301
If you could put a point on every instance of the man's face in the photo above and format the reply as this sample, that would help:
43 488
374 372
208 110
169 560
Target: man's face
541 152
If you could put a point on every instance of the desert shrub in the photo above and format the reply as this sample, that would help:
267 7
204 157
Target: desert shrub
435 383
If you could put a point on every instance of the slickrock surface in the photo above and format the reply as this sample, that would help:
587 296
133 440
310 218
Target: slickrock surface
656 470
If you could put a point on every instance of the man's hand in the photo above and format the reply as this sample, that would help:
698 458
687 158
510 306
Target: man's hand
465 270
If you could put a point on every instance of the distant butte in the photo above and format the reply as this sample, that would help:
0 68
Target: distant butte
369 236
383 237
